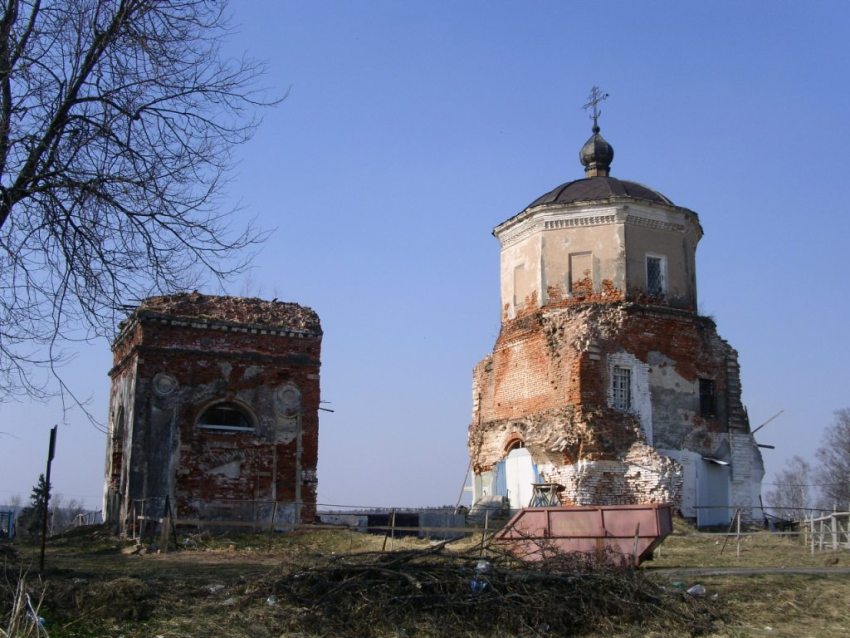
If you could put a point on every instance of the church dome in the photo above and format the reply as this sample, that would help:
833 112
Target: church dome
592 189
596 154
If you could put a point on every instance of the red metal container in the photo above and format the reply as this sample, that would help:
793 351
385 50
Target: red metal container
625 534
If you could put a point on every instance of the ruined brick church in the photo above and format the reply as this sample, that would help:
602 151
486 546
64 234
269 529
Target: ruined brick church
213 412
604 379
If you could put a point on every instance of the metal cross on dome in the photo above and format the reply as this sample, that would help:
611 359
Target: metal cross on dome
596 96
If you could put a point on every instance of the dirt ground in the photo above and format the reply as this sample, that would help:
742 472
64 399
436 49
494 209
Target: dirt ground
258 586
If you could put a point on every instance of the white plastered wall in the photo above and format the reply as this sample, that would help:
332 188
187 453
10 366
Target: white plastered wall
641 403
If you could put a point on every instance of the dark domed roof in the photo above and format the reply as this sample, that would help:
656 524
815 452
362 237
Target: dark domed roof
599 188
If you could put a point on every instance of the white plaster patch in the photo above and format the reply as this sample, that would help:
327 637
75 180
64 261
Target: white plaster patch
287 398
286 429
228 470
641 403
688 460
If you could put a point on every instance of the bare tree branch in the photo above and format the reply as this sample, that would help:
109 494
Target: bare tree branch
117 119
791 497
833 470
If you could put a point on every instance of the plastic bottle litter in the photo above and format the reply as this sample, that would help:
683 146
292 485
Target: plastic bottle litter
696 590
478 585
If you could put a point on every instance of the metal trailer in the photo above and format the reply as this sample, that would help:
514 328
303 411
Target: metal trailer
623 534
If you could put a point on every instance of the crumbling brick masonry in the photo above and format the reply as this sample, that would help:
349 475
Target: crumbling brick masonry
214 408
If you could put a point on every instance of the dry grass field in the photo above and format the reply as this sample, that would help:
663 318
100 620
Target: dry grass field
340 583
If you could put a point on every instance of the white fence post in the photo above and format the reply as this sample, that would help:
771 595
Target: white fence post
834 525
812 529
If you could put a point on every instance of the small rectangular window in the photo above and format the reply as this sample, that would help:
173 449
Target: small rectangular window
707 398
581 273
655 284
621 388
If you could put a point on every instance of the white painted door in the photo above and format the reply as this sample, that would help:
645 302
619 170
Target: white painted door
713 494
520 473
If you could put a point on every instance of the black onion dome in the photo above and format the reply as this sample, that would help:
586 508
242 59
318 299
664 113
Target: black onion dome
599 188
597 154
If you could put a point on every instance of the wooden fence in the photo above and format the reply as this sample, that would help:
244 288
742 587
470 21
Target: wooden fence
827 533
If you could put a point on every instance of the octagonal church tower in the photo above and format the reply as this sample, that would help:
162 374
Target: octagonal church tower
604 379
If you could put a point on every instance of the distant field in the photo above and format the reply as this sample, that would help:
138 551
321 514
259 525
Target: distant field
339 583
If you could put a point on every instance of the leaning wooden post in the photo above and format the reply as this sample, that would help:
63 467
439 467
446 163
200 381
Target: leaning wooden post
387 534
392 532
728 532
271 525
484 531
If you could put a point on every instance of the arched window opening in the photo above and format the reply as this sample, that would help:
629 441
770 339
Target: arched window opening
226 416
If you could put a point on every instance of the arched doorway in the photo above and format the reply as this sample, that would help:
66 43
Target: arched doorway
520 474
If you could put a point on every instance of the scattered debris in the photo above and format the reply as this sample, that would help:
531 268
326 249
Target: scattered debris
696 590
370 593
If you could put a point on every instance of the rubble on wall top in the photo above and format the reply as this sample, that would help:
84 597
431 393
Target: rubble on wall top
233 310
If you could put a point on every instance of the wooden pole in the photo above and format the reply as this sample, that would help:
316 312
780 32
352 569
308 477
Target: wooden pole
271 526
387 535
484 531
847 530
392 532
166 527
51 452
833 521
173 520
805 532
812 529
738 537
142 524
728 532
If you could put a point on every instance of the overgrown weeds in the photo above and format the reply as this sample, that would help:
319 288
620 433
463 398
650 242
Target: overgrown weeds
18 609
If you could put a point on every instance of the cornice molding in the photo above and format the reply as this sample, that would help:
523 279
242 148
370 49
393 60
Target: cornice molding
147 318
657 224
542 219
677 219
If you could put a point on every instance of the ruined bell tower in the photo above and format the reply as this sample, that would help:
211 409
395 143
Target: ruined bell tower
604 378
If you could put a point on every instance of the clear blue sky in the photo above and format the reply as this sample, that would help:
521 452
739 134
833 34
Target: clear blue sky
412 128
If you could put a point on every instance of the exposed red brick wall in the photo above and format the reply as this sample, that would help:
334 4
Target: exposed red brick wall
547 380
210 357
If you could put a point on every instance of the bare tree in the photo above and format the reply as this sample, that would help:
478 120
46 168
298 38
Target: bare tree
791 496
833 471
117 119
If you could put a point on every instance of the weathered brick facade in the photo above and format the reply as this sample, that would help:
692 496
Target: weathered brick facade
603 375
214 406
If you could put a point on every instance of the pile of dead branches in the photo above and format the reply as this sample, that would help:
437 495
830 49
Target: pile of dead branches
435 592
